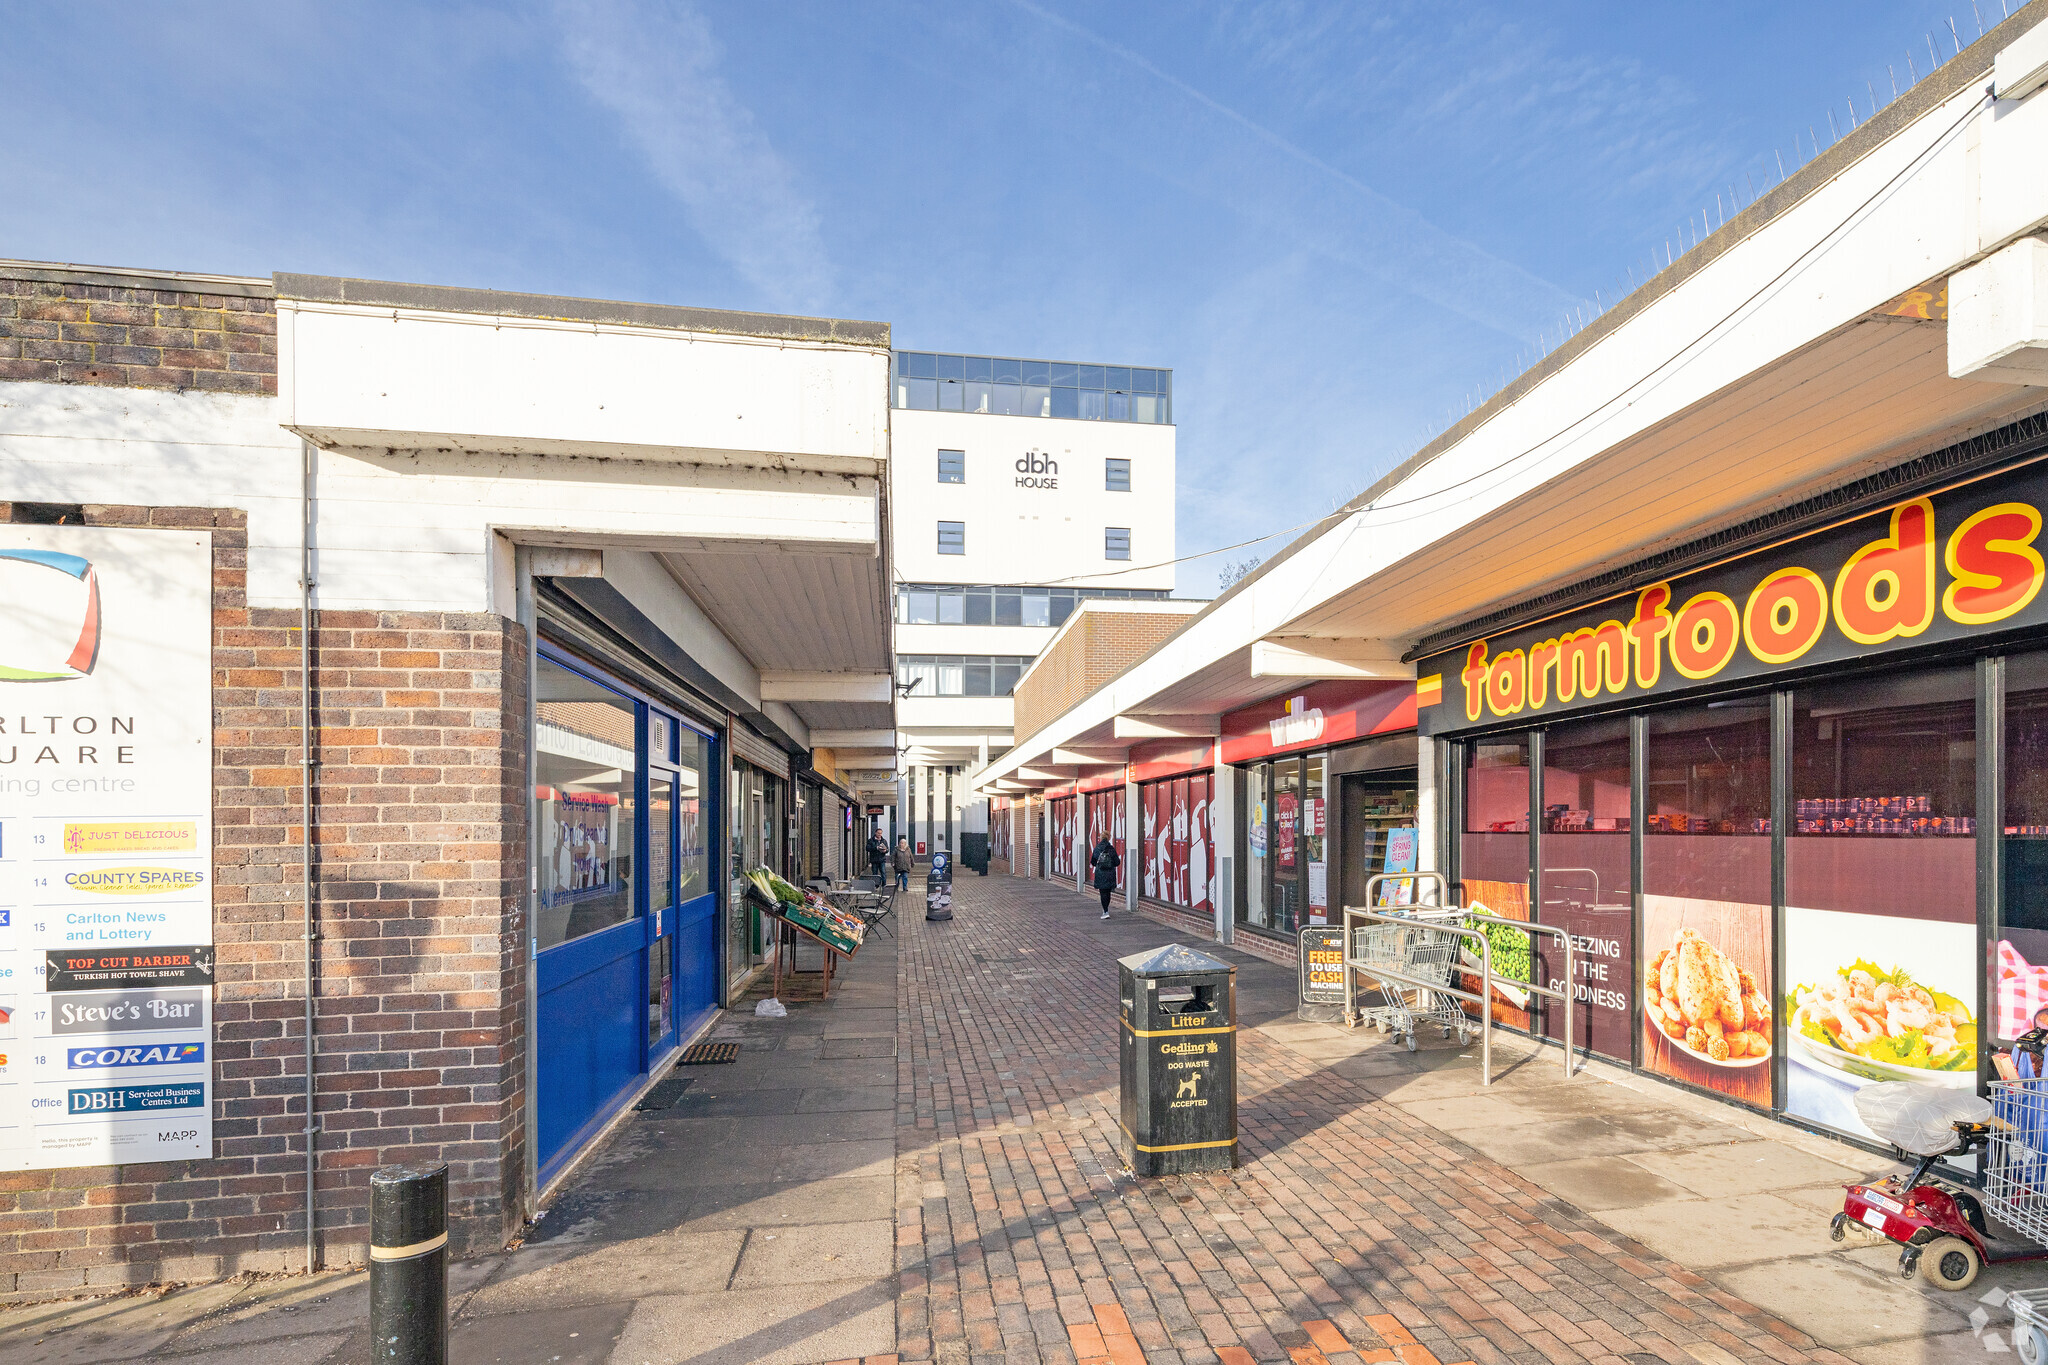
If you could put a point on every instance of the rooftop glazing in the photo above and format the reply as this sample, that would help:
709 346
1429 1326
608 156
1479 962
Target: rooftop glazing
1031 388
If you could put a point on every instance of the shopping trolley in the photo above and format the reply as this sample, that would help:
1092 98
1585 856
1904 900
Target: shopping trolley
1422 950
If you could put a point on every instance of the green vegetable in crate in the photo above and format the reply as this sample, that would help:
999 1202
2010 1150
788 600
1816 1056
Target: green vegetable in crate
782 890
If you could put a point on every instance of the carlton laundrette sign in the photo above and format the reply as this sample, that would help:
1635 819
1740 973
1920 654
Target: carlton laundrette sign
1940 568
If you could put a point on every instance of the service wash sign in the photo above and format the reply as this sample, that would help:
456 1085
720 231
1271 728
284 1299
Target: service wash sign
1956 565
106 925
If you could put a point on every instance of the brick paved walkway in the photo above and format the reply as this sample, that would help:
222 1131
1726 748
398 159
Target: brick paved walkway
1353 1231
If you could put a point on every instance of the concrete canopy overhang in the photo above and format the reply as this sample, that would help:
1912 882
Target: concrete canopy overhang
716 480
1782 357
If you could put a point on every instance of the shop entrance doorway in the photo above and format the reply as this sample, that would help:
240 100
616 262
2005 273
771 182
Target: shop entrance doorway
625 920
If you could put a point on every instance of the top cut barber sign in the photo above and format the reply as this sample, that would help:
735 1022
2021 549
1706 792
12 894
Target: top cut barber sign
1958 564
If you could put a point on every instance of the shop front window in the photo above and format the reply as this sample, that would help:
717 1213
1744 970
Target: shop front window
1707 898
1256 848
2020 966
1315 832
1881 889
1289 873
587 766
1493 860
1585 887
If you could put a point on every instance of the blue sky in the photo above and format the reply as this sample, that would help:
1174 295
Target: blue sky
1336 223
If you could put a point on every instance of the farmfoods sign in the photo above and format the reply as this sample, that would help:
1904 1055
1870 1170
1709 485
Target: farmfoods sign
1961 563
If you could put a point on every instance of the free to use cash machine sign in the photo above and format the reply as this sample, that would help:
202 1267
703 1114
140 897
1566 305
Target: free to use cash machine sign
106 923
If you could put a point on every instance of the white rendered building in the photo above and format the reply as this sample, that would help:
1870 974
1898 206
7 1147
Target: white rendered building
1020 487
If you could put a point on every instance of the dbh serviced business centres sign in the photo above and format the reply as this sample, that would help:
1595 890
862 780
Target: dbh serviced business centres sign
106 923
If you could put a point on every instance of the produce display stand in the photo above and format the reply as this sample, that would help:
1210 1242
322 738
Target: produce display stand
786 930
837 932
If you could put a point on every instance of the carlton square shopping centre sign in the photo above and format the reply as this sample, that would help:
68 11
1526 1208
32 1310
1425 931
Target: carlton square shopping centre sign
106 924
1957 564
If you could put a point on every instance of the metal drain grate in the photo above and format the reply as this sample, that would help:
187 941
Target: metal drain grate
710 1054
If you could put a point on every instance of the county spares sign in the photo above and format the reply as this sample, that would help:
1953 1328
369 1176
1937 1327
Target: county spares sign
1958 564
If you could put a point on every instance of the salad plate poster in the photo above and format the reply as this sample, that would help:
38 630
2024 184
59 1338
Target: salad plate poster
106 925
1876 997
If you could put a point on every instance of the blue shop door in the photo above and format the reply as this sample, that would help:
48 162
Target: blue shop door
692 945
592 928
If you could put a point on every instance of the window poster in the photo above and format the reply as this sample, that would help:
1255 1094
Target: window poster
106 923
1707 994
1400 858
1875 997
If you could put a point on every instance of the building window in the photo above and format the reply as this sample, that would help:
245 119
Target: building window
950 604
960 675
1116 542
953 538
1116 475
1031 388
952 466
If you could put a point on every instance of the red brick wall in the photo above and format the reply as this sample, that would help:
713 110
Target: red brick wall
420 983
66 331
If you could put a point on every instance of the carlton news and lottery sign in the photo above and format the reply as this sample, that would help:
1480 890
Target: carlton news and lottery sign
106 923
1961 563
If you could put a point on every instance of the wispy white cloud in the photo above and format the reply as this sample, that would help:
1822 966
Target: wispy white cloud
1306 201
657 68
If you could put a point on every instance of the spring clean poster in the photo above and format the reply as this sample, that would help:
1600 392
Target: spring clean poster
106 925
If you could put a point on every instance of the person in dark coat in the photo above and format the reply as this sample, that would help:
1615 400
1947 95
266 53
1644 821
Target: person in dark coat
903 862
1105 860
878 854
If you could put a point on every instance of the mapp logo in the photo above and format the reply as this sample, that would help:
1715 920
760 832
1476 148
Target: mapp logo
136 1099
142 1054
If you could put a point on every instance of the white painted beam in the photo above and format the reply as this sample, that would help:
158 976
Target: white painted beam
1304 656
1040 772
1090 758
853 739
1167 727
784 686
1998 316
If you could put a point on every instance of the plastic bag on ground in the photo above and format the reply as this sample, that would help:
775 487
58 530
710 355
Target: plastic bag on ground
771 1008
1918 1118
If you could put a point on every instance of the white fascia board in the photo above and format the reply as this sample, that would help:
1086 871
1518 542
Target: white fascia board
840 687
792 724
413 377
1303 656
853 739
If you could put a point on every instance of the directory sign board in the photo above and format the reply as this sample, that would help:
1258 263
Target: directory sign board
106 832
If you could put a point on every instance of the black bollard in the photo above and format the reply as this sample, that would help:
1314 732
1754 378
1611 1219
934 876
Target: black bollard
409 1265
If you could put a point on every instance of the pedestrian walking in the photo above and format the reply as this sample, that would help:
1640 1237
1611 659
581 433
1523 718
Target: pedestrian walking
1105 860
878 854
903 863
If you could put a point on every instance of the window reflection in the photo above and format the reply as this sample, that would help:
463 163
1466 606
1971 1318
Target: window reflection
960 675
587 761
1031 388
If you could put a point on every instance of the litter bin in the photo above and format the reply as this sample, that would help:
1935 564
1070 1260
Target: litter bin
938 887
1179 1061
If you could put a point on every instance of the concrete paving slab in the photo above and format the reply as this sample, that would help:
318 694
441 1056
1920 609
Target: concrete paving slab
835 1160
337 1301
1595 1183
702 1101
851 1200
90 1331
839 1049
298 1350
785 1325
1458 1113
587 1335
1741 1168
1740 1230
818 1253
1952 1348
846 1100
1841 1303
565 1274
778 1130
